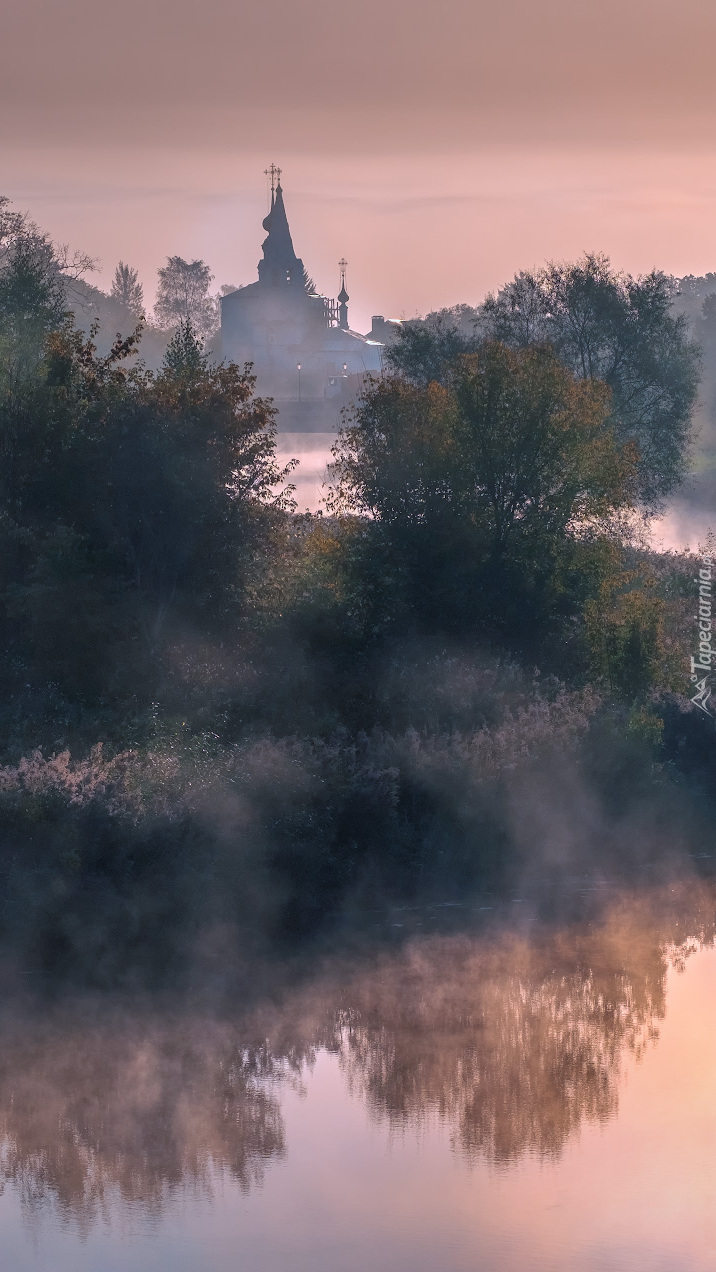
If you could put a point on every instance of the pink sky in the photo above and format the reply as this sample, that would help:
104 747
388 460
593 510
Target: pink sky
439 147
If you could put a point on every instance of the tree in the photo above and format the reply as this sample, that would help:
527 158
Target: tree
127 289
37 278
604 326
183 294
622 330
32 293
147 499
185 356
308 284
485 486
423 348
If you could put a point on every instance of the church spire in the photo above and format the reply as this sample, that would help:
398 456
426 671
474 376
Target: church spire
343 297
280 265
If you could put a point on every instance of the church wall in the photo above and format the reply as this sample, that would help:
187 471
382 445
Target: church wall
276 333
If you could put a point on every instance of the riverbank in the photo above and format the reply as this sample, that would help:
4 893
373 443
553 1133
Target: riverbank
167 864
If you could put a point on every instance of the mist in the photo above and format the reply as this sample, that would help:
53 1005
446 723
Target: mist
356 719
139 1103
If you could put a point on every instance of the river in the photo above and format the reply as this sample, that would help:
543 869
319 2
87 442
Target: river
684 524
506 1094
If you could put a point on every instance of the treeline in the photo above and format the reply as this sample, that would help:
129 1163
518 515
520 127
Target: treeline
183 294
218 712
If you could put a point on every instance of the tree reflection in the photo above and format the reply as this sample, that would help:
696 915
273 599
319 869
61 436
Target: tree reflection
514 1042
90 1114
513 1047
511 1042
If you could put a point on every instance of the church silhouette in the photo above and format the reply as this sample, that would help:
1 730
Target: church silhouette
304 353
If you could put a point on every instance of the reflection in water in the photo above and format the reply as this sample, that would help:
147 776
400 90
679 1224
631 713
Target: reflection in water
512 1043
88 1110
513 1051
313 452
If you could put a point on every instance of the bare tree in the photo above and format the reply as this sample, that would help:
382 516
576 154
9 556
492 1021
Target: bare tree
19 235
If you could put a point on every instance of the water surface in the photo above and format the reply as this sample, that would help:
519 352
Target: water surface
310 478
502 1098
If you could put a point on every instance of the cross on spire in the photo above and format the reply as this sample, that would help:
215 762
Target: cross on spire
275 174
343 296
280 265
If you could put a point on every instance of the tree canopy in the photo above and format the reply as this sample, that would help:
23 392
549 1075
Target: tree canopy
604 325
32 292
496 471
144 497
183 295
127 289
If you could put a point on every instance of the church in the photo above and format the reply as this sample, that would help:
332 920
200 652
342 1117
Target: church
305 355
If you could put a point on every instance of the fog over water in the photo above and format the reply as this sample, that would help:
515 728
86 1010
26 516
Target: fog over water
311 477
432 1102
335 936
685 523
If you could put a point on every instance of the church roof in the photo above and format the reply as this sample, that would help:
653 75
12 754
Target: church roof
280 264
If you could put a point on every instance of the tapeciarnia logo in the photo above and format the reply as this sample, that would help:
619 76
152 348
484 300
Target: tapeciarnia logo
704 660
